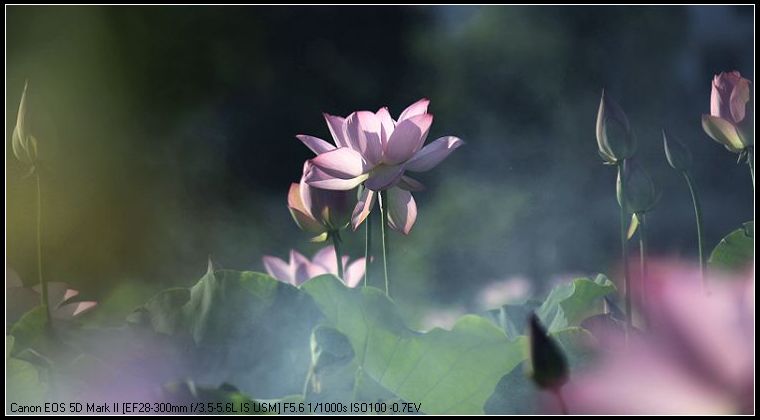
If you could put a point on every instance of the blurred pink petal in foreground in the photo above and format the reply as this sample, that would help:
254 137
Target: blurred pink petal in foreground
373 149
299 269
694 357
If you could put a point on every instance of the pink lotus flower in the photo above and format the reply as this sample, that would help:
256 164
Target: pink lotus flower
300 269
694 357
729 97
319 211
728 103
21 300
375 150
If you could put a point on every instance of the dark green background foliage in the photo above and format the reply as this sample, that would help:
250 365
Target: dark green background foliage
168 134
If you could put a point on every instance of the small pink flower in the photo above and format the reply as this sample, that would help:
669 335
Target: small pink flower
373 149
695 355
319 211
300 269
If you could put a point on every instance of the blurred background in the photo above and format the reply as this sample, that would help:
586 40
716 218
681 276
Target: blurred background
167 134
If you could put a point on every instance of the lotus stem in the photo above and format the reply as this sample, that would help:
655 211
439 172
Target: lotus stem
367 246
751 163
643 252
384 236
335 235
700 233
43 283
561 400
624 250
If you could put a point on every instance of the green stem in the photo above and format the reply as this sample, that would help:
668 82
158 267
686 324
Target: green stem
624 250
335 235
700 234
643 252
561 400
751 163
384 236
43 283
367 247
307 382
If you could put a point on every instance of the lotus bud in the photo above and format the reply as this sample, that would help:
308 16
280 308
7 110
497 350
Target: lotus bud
319 211
640 193
678 155
24 144
613 132
550 369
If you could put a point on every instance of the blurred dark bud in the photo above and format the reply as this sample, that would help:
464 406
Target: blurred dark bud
550 370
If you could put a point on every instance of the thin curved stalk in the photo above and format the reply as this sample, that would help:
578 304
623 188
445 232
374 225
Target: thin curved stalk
335 235
43 283
384 236
700 237
367 247
561 400
643 253
751 163
624 250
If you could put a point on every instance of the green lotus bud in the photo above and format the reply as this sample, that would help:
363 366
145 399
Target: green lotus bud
640 193
678 155
23 142
613 132
550 369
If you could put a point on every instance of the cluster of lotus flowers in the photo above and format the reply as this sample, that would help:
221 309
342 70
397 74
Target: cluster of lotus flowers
371 154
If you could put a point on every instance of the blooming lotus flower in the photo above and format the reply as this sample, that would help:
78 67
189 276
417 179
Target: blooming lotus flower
728 102
319 211
374 150
299 268
614 135
696 357
23 299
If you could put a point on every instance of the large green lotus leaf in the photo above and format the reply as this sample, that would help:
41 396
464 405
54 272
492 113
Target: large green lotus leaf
736 250
448 372
569 304
513 318
516 393
23 382
31 330
251 330
245 328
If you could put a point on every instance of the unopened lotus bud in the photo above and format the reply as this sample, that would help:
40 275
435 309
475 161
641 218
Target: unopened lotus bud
24 144
677 153
550 369
613 132
640 193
